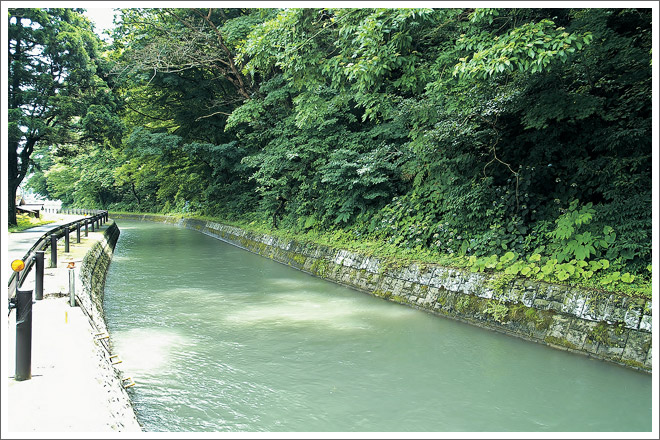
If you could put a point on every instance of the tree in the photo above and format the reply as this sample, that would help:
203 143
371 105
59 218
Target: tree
52 82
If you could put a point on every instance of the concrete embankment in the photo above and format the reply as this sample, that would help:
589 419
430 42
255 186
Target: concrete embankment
74 386
602 325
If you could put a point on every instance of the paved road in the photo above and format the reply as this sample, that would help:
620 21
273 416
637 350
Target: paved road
19 243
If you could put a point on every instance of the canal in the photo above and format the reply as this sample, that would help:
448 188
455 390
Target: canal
219 339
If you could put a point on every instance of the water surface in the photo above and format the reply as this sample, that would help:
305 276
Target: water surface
220 339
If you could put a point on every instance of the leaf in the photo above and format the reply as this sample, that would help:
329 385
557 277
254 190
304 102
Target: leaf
512 270
506 258
627 277
548 269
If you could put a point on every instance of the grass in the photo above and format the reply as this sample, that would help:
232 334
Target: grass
24 222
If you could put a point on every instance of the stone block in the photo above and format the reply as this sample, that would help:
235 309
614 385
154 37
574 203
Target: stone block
441 298
578 331
309 262
540 304
598 307
613 349
573 303
356 261
632 318
559 327
480 291
432 294
590 346
646 323
372 280
334 271
386 284
371 265
527 298
637 347
425 276
449 301
556 306
448 279
437 276
475 285
348 274
616 310
550 292
339 257
510 294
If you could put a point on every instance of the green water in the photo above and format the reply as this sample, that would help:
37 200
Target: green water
219 339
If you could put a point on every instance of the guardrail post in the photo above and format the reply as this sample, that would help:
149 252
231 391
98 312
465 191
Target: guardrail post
39 275
66 239
78 232
86 225
72 287
53 250
92 221
23 334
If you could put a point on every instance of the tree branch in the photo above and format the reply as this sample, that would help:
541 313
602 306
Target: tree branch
241 85
213 114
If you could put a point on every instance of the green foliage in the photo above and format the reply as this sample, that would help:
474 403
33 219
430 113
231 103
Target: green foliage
56 95
497 310
565 242
531 47
513 141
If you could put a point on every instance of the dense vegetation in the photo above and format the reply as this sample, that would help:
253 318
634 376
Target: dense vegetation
506 139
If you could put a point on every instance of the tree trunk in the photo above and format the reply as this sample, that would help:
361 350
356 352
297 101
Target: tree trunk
12 204
17 172
135 194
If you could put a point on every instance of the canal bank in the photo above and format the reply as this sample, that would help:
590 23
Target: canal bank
600 325
74 385
223 340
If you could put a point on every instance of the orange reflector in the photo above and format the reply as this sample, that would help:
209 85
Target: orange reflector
17 265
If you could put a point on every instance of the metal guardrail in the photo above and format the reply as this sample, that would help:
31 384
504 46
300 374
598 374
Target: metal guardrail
17 278
21 300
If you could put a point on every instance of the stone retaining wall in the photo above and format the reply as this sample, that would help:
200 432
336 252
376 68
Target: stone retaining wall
93 271
90 286
604 325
